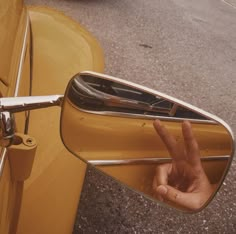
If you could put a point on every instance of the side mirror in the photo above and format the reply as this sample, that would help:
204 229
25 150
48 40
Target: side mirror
181 161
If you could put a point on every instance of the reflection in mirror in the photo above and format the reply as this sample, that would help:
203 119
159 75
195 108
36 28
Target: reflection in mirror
181 160
97 94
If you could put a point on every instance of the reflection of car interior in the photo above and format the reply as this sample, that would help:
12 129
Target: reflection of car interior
97 94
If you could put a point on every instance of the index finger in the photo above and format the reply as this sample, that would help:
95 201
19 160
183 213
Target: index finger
169 140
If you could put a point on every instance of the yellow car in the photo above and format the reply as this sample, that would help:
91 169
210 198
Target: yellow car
102 120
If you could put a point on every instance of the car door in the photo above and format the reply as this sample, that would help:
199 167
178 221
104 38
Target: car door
14 81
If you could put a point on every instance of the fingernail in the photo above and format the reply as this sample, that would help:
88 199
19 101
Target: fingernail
186 123
162 190
157 123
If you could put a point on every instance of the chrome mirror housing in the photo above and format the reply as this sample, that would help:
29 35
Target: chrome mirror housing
108 122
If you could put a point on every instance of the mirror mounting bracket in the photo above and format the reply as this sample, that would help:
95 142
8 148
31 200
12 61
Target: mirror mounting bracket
11 105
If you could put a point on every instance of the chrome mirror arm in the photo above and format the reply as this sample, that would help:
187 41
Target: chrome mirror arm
19 104
7 128
11 105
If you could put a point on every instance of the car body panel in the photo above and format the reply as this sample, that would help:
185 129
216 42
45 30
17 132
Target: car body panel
11 13
60 48
14 66
139 141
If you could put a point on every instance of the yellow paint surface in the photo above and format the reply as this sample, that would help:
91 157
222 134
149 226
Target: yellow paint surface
61 48
97 137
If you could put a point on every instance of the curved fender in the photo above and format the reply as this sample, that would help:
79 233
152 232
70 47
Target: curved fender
61 48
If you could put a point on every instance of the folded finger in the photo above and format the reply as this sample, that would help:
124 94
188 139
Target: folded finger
161 174
187 200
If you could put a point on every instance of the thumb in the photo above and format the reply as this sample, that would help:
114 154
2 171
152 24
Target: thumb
168 193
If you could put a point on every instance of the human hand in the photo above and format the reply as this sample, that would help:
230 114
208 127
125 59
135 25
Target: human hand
183 181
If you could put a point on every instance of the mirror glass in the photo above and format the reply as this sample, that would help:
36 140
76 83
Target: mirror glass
157 145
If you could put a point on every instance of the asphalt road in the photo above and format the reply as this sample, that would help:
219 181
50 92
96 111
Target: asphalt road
185 48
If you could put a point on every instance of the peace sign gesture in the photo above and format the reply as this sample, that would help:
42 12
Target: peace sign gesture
183 181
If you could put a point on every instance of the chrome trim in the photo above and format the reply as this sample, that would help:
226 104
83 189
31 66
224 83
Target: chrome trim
150 117
148 161
22 57
2 160
18 104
